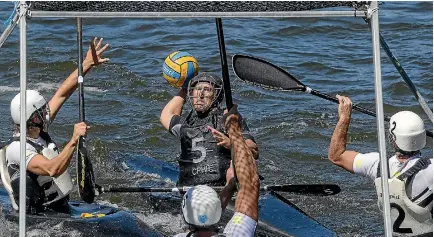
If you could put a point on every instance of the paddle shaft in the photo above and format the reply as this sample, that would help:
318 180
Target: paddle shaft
80 71
224 63
406 78
225 75
85 176
355 107
142 189
309 189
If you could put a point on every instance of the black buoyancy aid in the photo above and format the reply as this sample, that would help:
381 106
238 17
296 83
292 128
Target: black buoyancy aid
41 190
201 161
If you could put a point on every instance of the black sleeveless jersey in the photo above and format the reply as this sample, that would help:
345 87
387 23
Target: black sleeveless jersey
201 161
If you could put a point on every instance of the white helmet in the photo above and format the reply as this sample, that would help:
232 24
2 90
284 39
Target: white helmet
201 206
35 103
407 131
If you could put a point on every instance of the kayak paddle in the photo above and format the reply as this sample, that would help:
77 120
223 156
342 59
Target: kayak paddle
224 63
406 78
85 176
267 75
304 189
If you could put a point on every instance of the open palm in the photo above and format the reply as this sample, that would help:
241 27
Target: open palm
94 54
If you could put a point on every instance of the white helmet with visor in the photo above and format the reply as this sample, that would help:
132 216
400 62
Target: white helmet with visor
37 110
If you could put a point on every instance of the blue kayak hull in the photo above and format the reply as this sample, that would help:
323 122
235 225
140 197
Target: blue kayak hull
111 221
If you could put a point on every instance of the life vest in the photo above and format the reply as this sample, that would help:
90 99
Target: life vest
46 189
201 161
409 217
5 177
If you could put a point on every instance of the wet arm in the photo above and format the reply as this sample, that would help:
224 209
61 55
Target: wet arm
250 140
338 154
43 166
253 148
93 57
246 171
65 91
174 107
56 166
227 193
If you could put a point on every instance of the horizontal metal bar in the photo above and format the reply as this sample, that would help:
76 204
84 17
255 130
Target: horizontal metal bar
59 14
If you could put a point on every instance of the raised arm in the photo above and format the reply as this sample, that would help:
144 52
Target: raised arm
338 154
174 107
245 167
93 58
253 148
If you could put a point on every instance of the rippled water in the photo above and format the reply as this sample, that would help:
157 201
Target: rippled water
124 97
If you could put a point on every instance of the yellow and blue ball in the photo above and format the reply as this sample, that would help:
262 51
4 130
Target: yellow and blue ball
180 67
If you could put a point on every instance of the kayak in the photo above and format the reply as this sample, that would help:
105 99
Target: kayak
277 215
85 220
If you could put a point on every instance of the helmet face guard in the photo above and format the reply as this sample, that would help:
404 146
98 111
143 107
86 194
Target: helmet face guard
37 110
40 118
204 86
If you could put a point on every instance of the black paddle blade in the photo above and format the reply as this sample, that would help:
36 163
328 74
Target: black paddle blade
264 74
307 189
85 176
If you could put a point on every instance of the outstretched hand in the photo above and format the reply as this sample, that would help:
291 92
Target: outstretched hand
222 139
94 54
